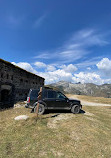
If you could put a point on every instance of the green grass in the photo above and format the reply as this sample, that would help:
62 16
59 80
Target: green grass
79 136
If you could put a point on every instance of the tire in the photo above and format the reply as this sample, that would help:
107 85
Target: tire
75 109
41 109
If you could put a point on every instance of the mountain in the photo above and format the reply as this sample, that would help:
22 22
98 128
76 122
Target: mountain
83 89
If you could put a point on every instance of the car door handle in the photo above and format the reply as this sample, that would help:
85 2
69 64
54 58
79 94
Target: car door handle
57 100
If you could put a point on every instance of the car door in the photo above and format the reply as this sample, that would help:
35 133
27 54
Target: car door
50 99
61 101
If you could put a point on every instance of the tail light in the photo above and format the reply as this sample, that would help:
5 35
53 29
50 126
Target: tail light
28 99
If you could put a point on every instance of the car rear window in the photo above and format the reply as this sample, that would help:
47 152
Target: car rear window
34 94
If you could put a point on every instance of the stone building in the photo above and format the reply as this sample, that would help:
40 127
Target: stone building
15 83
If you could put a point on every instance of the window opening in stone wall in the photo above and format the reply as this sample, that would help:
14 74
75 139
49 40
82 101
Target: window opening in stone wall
21 80
1 75
41 82
12 77
4 95
26 81
7 76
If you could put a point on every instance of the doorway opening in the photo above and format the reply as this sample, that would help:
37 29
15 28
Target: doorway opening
6 96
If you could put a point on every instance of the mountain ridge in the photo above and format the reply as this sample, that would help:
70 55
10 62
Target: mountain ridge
90 89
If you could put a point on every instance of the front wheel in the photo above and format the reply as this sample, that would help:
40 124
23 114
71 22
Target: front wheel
75 109
41 109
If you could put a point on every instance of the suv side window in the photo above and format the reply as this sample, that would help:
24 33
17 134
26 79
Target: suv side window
51 94
59 95
44 94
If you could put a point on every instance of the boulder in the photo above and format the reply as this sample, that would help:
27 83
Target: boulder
21 117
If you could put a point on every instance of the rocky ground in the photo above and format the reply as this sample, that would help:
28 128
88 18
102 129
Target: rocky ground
19 104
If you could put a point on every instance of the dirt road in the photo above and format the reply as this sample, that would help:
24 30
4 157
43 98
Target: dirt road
93 104
86 103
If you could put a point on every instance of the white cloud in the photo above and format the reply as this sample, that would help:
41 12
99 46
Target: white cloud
88 68
53 73
89 37
38 22
76 47
108 81
88 78
26 66
60 74
51 68
40 64
105 66
46 67
46 55
69 68
69 56
56 76
90 62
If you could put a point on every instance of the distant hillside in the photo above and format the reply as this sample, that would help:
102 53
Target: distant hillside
84 89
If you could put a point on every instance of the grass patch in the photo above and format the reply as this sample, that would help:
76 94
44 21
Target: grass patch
84 135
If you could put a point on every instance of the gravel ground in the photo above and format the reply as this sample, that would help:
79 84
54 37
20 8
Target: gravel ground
93 104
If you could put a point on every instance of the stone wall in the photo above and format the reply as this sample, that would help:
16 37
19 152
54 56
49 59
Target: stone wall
20 79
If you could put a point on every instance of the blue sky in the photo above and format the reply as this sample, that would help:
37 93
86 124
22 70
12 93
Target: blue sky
58 39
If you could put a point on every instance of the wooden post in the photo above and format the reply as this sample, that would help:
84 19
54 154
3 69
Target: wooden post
39 98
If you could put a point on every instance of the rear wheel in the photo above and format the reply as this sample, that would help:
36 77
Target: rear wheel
41 109
75 109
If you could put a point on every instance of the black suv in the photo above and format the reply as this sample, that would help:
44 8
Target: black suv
52 99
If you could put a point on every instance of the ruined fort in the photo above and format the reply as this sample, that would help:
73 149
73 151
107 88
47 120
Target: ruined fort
15 83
